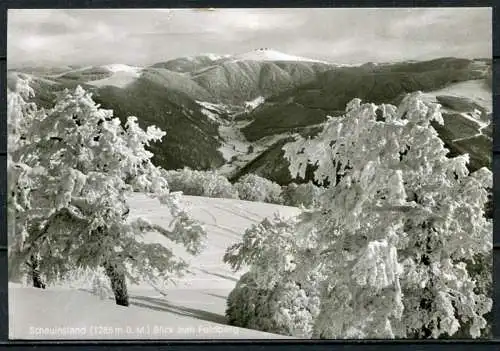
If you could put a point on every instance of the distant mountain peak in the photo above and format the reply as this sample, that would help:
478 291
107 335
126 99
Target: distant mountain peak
120 67
267 54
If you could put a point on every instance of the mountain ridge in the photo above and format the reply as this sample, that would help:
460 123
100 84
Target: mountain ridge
191 98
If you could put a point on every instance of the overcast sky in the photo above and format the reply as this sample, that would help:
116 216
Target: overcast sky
139 36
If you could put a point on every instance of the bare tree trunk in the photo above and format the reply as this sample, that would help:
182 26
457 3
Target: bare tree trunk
34 265
118 283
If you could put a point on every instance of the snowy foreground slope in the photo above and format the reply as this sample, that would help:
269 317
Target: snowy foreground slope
194 309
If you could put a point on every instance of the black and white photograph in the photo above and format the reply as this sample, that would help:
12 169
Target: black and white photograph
256 173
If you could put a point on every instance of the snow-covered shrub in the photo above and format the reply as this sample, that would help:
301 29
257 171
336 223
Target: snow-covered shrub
271 297
251 187
395 244
300 194
200 183
286 309
249 306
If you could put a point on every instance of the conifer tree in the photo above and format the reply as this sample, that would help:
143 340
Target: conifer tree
77 169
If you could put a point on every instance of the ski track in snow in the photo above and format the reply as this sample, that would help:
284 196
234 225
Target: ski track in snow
194 308
211 215
239 213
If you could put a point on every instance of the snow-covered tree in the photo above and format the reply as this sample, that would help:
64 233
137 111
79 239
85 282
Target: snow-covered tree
398 231
251 187
75 211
